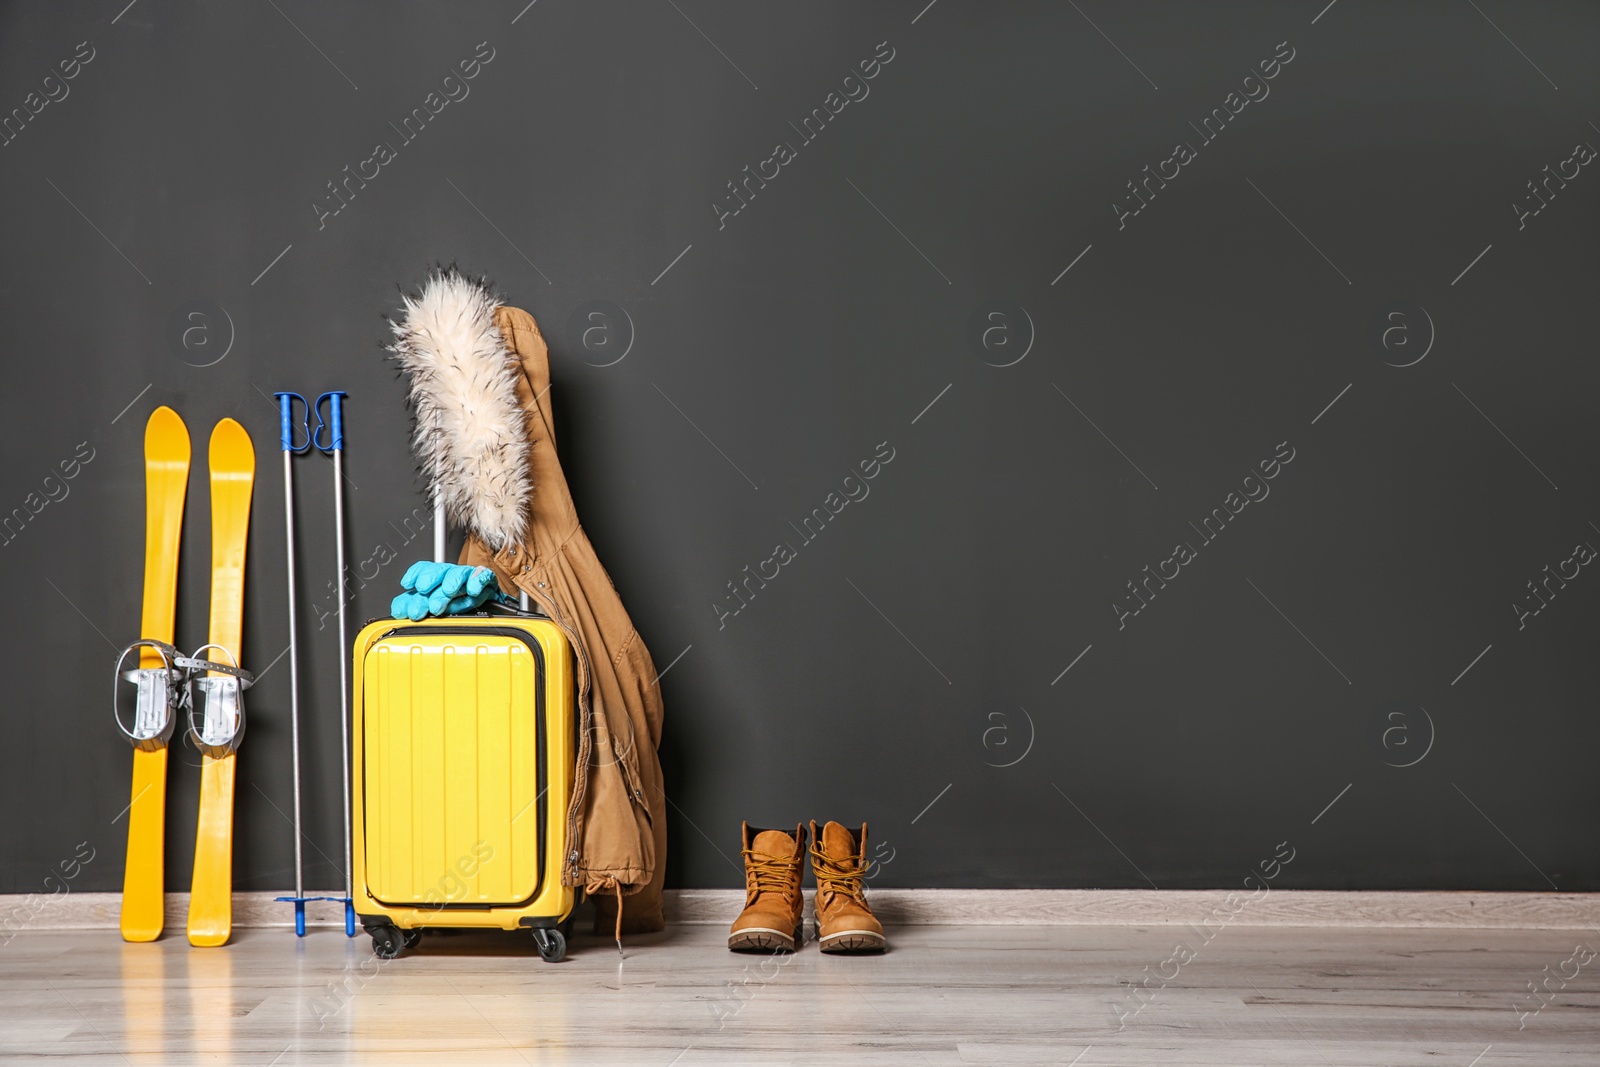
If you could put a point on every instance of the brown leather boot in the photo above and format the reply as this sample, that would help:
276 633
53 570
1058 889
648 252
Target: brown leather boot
770 921
845 922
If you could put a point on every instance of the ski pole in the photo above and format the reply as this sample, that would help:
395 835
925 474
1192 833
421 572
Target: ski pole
335 447
290 449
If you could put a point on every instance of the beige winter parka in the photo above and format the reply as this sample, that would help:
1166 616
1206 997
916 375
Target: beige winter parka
617 819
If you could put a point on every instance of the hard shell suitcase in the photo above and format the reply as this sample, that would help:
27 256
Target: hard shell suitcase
463 739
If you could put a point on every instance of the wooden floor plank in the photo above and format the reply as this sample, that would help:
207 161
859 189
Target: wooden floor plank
1339 997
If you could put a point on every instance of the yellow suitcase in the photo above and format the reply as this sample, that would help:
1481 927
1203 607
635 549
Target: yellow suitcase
463 737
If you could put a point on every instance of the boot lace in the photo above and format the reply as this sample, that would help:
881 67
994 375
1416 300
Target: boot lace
833 876
765 873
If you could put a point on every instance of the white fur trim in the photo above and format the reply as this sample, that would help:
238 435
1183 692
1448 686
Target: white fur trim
470 434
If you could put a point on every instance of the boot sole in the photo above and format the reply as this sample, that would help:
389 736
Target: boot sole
849 942
763 939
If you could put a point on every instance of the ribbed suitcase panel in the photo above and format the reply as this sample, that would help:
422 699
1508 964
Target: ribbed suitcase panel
452 812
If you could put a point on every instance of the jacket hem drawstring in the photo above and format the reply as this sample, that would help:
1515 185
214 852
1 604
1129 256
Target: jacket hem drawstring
617 887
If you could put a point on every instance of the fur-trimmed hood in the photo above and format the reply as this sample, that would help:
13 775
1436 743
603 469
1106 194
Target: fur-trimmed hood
470 433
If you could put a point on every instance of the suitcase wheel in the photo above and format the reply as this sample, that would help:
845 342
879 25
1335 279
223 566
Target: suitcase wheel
552 944
389 941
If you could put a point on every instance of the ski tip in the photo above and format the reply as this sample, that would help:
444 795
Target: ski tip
166 437
231 448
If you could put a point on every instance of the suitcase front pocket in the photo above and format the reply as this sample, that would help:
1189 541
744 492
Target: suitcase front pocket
453 767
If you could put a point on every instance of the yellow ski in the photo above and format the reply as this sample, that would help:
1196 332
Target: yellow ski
166 477
233 471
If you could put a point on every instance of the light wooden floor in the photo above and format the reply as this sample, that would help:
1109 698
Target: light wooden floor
943 995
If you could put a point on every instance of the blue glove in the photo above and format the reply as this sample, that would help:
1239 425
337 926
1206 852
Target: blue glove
442 589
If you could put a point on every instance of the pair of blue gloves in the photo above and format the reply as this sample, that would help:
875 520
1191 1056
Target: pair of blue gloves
444 589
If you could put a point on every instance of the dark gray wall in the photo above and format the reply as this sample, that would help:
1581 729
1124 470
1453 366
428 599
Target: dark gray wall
910 666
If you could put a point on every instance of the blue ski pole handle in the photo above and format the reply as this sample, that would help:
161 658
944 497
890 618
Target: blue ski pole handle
286 437
333 425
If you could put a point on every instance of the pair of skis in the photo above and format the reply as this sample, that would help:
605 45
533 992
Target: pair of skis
163 680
